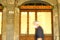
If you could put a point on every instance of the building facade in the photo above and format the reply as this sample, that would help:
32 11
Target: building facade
10 29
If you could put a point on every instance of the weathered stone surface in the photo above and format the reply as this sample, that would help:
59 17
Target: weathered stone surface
13 19
16 24
4 24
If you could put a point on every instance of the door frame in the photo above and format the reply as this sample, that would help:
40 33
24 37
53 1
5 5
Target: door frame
36 10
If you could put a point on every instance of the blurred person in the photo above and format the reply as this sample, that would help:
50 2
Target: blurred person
39 35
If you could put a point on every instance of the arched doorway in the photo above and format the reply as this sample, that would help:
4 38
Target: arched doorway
1 18
35 10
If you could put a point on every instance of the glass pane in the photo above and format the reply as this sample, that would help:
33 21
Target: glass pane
23 22
0 21
31 20
45 21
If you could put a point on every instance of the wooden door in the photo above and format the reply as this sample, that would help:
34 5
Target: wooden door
27 30
26 24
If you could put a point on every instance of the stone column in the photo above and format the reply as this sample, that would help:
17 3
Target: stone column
4 24
8 20
59 21
57 30
10 23
59 16
55 23
16 24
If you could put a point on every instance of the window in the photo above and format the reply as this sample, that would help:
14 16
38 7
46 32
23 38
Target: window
0 21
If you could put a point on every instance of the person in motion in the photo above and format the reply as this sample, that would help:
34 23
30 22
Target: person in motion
39 35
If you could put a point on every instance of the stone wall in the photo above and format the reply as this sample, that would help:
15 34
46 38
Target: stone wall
59 16
13 19
4 25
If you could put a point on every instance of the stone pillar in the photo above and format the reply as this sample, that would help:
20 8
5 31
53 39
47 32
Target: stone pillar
10 24
57 30
16 24
10 29
55 23
4 24
59 16
8 20
59 21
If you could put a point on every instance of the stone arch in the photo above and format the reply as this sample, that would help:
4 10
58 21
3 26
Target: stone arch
55 16
36 3
43 3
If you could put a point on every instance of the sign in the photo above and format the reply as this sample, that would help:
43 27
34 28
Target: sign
36 7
